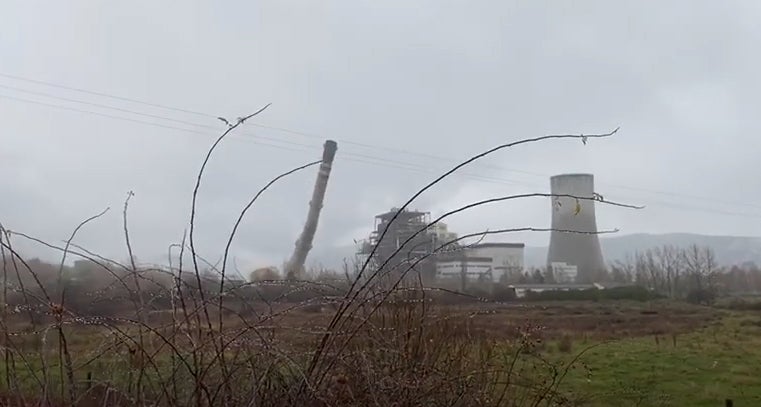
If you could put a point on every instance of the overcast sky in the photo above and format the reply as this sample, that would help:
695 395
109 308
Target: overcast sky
406 90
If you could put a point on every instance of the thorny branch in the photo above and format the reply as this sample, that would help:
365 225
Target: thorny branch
259 358
353 295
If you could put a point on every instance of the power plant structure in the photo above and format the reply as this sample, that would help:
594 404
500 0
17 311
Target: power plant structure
422 248
437 257
295 265
581 249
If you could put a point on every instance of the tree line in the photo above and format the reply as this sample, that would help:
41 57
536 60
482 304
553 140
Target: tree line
688 273
681 273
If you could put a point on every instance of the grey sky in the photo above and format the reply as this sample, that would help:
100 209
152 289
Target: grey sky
444 79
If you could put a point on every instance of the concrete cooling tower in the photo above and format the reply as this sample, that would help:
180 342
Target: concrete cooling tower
580 250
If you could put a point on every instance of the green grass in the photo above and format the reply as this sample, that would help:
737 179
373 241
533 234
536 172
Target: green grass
720 359
703 369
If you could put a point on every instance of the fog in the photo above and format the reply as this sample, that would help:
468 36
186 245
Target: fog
407 92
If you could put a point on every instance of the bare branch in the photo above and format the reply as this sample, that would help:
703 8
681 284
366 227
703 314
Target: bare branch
472 159
130 194
243 214
66 248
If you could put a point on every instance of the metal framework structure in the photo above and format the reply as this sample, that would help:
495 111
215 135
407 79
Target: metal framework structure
402 228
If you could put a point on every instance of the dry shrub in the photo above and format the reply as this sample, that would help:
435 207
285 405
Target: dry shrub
312 308
408 357
750 322
565 344
227 347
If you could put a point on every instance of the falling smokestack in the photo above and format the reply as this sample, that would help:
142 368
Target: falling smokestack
295 265
580 250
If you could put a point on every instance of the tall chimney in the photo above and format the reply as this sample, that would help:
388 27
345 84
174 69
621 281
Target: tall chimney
578 249
295 265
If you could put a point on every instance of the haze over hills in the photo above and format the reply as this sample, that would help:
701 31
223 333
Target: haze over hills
729 250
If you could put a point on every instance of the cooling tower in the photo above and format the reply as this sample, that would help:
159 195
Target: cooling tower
580 250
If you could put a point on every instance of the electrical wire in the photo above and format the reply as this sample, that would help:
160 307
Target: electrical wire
359 157
362 158
103 94
7 97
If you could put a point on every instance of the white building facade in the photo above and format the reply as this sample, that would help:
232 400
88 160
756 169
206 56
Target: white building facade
506 258
564 273
487 262
469 269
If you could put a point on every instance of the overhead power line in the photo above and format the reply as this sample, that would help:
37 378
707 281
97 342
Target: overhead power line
107 95
360 158
295 132
201 114
72 109
99 105
349 156
251 123
252 138
83 102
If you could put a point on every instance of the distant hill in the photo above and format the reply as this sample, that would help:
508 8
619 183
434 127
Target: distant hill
729 249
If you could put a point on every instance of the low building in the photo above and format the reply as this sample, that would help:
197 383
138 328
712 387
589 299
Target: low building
506 258
464 269
485 262
563 272
521 290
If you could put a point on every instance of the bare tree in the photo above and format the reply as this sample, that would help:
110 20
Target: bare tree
623 271
670 263
702 270
672 271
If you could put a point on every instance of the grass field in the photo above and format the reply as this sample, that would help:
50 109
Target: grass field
624 353
701 368
648 354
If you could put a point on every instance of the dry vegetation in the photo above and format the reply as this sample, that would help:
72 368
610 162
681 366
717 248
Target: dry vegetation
104 333
411 351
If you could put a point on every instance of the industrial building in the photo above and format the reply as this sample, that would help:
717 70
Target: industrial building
484 262
506 258
574 239
574 255
462 269
522 290
427 239
564 273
